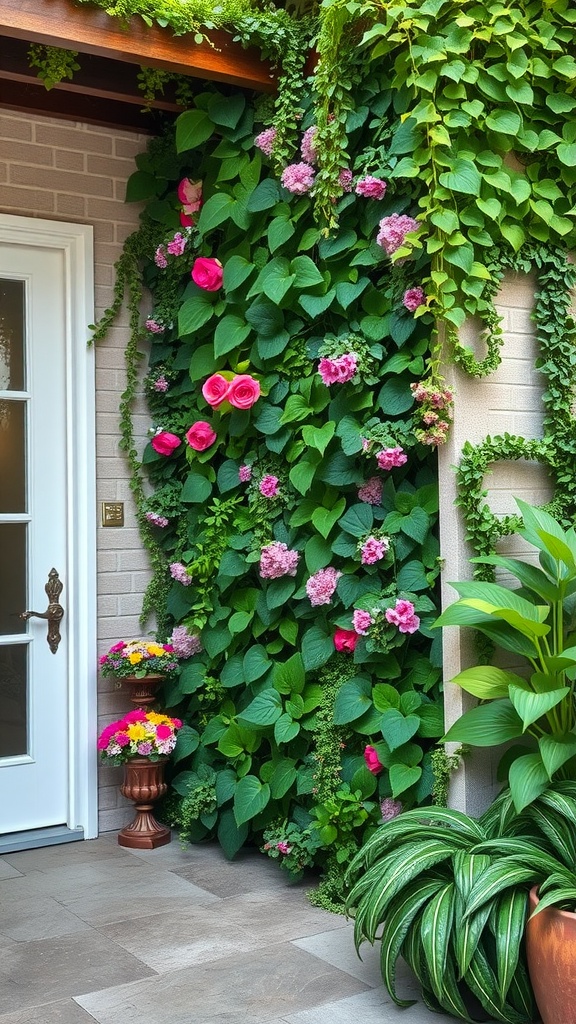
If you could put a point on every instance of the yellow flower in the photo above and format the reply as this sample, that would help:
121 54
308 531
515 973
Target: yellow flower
134 658
137 731
155 717
155 650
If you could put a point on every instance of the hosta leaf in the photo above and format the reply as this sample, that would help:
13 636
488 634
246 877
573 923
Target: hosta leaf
435 929
398 921
528 778
508 923
532 706
250 798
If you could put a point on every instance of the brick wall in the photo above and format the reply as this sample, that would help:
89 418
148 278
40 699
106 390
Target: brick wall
73 172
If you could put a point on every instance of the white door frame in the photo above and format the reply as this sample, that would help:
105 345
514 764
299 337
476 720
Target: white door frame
75 241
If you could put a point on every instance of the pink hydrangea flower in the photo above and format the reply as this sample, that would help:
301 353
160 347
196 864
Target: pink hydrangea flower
269 486
178 573
413 298
321 586
177 245
371 491
345 179
391 458
154 327
298 178
402 615
276 560
156 519
374 549
185 644
307 148
371 188
160 257
361 621
283 846
245 474
160 384
393 230
144 748
265 141
338 370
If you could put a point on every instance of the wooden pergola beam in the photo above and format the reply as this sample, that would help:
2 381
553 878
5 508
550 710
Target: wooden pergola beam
90 30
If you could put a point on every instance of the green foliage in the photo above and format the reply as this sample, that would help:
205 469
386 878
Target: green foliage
54 65
535 623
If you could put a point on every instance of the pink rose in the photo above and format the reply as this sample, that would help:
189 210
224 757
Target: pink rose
215 390
201 436
190 195
373 762
345 640
244 391
165 443
208 273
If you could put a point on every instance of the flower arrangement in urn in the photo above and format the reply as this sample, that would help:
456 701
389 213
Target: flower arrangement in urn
139 658
140 733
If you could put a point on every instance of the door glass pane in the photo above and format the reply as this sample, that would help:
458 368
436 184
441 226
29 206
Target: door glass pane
12 456
12 297
13 700
13 578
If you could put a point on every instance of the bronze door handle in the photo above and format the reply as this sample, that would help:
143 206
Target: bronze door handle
54 612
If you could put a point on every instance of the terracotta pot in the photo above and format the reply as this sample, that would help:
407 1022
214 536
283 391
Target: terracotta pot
144 784
142 691
551 952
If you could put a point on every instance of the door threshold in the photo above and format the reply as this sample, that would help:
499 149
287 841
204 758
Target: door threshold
12 842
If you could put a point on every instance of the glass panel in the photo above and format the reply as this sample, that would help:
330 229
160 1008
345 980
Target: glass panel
12 335
12 456
13 585
14 699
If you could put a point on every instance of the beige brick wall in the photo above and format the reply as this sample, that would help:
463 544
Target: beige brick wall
75 172
509 400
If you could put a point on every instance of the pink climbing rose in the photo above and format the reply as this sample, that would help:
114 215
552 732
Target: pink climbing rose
207 273
215 390
373 762
201 436
164 443
243 392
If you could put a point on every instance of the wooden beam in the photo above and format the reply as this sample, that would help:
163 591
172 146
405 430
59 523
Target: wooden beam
73 106
90 30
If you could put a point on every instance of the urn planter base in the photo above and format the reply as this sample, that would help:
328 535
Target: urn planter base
144 784
551 953
142 691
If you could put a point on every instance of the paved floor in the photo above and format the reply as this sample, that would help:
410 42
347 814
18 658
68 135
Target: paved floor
92 932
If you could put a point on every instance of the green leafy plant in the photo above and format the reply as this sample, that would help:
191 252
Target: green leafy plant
534 705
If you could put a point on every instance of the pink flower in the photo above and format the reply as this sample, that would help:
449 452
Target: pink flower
307 149
163 732
160 257
215 390
373 762
345 179
269 486
122 739
144 748
207 273
164 442
244 391
413 298
245 474
402 615
345 640
371 188
265 141
298 178
190 195
371 491
160 384
157 520
277 560
390 458
393 230
374 549
390 808
201 436
283 846
361 621
177 245
321 586
178 573
338 370
154 327
185 644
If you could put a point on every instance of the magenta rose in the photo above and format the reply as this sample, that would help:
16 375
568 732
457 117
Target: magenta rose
165 443
244 391
208 273
215 390
345 640
200 436
373 762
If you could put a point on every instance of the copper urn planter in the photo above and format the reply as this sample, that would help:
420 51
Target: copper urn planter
142 690
144 784
551 952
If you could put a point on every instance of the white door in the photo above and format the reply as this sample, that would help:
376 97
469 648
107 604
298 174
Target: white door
46 768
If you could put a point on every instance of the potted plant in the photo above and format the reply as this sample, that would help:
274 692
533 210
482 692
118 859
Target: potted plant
141 742
141 665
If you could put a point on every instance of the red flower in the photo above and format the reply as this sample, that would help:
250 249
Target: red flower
208 273
201 436
165 443
345 640
373 762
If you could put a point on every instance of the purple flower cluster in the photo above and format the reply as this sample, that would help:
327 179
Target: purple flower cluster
298 178
177 245
154 327
265 141
156 519
413 298
277 560
371 491
321 586
160 384
245 474
307 148
185 644
178 573
393 230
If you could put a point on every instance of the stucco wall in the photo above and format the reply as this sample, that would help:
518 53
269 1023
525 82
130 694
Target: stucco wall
509 400
74 172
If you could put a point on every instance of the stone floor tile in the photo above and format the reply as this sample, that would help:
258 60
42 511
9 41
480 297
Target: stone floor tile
242 989
250 871
337 948
7 870
65 1011
32 973
48 857
373 1007
39 917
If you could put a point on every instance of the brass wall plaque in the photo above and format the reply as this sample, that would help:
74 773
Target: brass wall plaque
112 513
